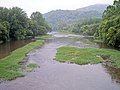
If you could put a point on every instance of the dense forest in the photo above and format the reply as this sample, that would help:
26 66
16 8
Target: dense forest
109 29
15 24
87 27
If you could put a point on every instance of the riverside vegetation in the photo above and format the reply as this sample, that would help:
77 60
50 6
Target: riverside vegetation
11 66
15 25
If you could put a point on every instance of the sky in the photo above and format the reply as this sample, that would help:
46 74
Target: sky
45 6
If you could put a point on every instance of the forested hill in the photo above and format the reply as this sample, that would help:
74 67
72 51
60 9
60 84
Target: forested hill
96 7
61 18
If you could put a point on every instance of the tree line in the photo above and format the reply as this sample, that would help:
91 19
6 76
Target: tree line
109 28
15 24
88 27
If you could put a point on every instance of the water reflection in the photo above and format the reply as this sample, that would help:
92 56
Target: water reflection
7 48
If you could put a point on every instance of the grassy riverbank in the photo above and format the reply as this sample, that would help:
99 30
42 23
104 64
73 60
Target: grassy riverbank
43 37
10 66
88 55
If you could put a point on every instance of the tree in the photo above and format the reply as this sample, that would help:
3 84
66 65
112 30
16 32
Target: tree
109 29
18 23
14 24
4 31
4 12
39 25
88 27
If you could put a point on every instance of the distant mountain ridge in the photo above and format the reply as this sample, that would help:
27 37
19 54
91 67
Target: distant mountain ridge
60 18
96 7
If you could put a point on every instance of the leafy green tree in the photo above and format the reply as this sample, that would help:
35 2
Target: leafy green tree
14 24
39 25
4 31
4 12
88 27
38 18
18 23
109 29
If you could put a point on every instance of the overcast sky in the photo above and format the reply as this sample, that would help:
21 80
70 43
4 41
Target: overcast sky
47 5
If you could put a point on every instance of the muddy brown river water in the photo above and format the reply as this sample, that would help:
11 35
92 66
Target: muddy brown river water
8 47
53 75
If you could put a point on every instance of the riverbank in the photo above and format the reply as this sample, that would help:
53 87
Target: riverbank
11 66
88 56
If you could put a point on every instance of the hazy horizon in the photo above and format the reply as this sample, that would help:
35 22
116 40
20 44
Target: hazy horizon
45 6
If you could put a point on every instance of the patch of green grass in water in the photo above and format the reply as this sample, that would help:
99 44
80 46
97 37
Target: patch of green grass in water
87 55
10 65
44 37
31 67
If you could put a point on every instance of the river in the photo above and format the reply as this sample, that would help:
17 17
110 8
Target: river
8 47
53 75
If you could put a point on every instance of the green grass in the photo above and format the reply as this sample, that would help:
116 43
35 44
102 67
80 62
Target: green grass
31 67
44 36
10 65
98 41
88 55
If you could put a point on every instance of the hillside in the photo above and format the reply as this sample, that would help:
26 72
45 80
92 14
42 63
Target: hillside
96 7
61 18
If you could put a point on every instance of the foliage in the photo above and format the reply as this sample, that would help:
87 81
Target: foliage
31 67
109 30
88 27
18 23
39 23
88 55
14 24
43 37
4 31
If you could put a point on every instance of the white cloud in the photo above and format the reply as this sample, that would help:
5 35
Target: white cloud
47 5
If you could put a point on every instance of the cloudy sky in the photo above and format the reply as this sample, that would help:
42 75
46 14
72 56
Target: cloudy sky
47 5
